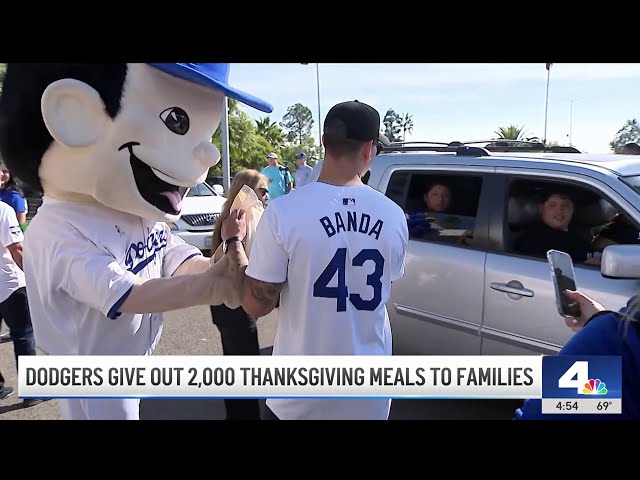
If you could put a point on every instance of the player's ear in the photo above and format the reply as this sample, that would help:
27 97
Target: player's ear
73 112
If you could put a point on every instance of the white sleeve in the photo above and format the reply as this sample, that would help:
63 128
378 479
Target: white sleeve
269 260
400 254
92 276
10 231
176 253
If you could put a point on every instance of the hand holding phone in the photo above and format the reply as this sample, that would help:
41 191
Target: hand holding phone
563 277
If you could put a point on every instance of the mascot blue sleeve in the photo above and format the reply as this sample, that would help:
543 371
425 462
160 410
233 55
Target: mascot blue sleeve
600 336
113 148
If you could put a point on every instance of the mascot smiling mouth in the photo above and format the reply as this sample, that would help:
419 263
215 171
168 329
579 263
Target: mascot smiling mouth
162 195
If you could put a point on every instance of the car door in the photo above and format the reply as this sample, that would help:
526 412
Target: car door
436 307
520 313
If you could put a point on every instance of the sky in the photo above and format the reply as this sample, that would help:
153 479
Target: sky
588 103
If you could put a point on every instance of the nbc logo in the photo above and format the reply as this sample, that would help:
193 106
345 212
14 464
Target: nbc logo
577 377
595 387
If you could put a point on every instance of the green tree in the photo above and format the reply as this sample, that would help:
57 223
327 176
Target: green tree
406 124
629 133
3 71
247 148
271 131
512 132
297 123
308 146
392 125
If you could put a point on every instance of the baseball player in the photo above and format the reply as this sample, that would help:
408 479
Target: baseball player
330 252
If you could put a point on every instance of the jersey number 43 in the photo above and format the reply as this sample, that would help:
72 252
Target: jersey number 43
338 264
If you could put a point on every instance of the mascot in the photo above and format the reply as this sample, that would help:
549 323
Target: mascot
114 148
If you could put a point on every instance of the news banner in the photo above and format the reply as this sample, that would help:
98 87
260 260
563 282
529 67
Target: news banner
566 384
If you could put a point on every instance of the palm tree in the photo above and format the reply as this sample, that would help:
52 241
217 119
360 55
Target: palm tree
406 124
271 131
512 132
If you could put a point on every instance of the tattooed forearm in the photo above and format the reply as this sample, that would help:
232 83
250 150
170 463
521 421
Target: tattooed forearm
260 297
264 292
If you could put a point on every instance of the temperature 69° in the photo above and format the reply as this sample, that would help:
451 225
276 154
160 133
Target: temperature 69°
208 377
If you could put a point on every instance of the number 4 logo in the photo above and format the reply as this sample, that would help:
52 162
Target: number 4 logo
338 265
575 376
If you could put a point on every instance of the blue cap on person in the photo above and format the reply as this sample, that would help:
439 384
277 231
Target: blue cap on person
213 75
302 155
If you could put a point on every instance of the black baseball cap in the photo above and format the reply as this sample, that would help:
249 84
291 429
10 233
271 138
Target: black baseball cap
354 120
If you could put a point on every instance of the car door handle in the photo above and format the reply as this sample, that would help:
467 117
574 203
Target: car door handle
514 288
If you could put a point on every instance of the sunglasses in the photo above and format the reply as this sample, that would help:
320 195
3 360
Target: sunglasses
379 147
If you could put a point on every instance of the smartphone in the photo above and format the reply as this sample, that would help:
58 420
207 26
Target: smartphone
563 277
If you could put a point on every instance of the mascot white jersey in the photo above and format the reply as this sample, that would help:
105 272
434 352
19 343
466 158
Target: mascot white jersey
113 148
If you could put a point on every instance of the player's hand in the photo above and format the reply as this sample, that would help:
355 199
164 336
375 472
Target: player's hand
588 308
234 225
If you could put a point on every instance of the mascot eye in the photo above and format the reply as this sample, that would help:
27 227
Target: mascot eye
176 120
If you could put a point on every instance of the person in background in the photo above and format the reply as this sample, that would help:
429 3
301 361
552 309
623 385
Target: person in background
11 194
303 171
14 307
238 330
4 390
554 230
280 179
601 332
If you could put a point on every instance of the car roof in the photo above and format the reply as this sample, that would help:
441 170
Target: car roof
622 165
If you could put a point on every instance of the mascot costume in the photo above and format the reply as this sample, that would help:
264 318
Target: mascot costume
114 148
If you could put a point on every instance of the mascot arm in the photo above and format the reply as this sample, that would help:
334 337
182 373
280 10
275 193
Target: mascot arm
198 280
181 258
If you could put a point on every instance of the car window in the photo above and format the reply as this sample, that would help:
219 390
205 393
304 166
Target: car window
440 208
200 190
544 215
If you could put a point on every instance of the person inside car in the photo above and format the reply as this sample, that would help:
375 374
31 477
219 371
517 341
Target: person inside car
554 232
437 199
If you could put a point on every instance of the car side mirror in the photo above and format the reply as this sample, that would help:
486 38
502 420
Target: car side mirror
218 189
621 261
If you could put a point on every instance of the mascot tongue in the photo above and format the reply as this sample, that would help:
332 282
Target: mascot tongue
175 198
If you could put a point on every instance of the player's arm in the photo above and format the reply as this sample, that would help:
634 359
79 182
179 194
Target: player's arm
266 273
260 298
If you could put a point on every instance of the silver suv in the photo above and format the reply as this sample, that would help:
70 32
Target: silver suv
467 290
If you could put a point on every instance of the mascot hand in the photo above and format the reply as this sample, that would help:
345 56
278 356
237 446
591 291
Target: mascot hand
234 226
225 283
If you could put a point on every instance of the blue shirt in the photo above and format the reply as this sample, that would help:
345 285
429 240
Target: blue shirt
15 199
278 180
302 175
605 334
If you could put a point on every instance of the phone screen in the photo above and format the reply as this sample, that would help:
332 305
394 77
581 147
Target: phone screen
563 277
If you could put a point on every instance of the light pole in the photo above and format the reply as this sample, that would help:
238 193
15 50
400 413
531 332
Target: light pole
546 108
570 121
319 117
224 136
318 93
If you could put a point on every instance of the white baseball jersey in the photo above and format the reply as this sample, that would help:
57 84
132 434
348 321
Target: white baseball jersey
11 277
80 262
339 248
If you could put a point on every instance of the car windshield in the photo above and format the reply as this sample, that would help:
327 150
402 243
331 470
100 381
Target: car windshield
201 190
633 182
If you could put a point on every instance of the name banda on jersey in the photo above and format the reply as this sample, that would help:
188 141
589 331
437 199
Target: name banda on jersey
364 224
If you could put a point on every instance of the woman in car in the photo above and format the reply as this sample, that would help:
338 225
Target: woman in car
238 330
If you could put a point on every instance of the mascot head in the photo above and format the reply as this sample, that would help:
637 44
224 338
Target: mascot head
133 137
